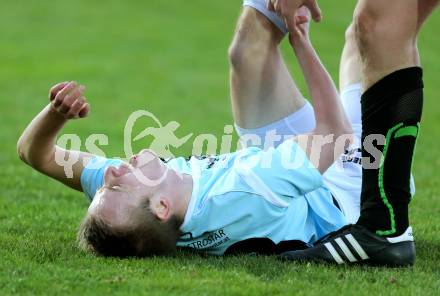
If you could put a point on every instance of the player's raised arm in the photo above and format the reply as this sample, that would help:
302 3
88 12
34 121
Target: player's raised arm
36 146
331 120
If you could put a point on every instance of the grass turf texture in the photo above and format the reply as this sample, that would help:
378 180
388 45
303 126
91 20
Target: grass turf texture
168 57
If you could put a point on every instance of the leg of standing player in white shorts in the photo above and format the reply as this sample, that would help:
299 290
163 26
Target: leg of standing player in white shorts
392 104
346 184
262 90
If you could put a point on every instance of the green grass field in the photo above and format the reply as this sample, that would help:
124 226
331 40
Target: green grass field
168 57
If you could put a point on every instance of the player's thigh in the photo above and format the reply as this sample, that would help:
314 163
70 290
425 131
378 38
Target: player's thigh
262 89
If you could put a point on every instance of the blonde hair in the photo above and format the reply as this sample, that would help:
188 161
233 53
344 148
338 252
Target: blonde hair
147 236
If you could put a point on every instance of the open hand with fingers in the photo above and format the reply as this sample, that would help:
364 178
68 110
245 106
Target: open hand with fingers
67 99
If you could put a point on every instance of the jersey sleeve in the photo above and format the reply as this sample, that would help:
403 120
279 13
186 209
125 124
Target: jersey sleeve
284 170
92 176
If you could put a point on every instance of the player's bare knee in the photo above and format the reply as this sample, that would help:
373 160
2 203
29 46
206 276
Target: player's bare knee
254 37
364 28
238 53
374 29
246 49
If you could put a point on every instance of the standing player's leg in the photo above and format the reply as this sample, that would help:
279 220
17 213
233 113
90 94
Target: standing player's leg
391 106
350 77
262 90
386 34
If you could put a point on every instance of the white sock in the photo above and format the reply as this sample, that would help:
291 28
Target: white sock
261 6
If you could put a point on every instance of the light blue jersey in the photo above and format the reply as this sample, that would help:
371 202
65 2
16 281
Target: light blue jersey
251 198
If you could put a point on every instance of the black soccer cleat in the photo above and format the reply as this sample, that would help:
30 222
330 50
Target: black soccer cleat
355 244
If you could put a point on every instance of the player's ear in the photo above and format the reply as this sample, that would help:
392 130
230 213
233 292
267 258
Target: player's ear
161 207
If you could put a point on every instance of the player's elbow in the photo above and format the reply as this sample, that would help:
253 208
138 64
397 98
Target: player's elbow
334 125
346 127
343 129
336 129
29 156
344 137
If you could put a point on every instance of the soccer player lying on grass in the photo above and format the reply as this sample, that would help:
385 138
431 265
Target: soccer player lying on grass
250 201
231 203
